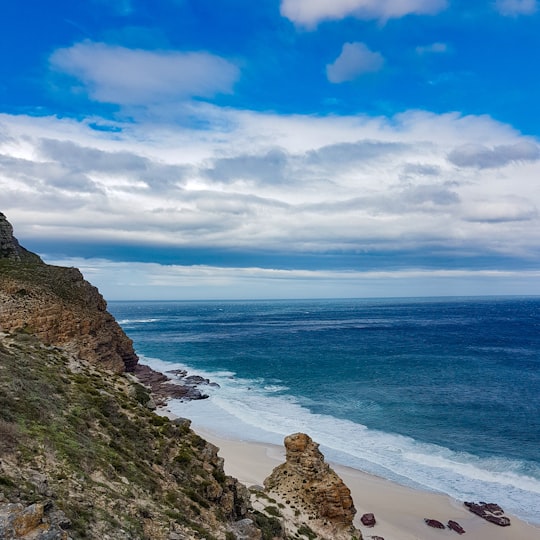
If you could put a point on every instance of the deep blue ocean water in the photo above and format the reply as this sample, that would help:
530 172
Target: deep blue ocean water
442 394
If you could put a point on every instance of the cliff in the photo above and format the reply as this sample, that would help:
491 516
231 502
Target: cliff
58 306
82 455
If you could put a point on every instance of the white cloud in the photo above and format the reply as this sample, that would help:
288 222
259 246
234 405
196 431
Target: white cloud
437 48
354 60
310 13
115 74
482 157
264 182
513 8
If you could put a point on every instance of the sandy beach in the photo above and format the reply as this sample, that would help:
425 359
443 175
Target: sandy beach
399 511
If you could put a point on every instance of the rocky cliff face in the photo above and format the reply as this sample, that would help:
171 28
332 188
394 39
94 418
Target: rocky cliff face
311 488
58 306
81 453
10 247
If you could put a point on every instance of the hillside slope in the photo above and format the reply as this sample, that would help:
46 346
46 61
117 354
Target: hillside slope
83 439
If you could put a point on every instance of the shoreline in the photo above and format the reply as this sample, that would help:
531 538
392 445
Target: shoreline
399 510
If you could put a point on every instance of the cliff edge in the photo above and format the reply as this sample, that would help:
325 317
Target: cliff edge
58 306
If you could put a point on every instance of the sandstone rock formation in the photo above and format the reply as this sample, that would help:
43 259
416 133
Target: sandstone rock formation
58 306
312 489
34 522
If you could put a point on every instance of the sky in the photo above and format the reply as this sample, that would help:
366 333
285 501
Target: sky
232 149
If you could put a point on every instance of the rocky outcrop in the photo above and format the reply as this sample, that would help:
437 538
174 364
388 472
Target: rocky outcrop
58 306
491 512
164 388
10 247
307 484
33 522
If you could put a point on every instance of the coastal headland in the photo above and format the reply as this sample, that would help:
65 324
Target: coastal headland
87 450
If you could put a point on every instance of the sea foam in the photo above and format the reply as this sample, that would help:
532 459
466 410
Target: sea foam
262 411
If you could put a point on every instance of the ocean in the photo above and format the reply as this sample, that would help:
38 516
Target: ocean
441 394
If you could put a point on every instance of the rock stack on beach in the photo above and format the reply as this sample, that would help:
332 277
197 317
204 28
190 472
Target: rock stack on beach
309 486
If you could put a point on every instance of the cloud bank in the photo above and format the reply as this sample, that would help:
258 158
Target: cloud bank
316 188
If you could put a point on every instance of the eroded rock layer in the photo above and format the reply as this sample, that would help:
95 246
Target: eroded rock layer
58 306
308 484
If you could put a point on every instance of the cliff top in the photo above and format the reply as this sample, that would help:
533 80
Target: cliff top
9 245
58 306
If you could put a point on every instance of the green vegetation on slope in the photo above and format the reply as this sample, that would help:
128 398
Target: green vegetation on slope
83 437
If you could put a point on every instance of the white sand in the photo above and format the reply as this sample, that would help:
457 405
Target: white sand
399 511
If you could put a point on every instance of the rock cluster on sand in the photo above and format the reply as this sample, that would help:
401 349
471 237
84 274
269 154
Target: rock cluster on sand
308 485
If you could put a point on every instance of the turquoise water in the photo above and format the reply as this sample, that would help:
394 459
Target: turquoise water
442 394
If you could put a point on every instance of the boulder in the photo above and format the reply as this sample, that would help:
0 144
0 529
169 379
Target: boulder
434 523
455 526
491 512
368 520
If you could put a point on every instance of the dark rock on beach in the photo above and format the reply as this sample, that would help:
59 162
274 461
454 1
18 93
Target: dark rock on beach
455 526
491 512
434 523
368 520
164 388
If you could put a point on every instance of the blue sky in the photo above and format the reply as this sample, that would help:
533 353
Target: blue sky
280 148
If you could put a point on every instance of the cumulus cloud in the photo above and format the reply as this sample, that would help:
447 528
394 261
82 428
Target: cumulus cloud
355 59
351 153
310 13
421 169
482 157
269 167
114 74
513 8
